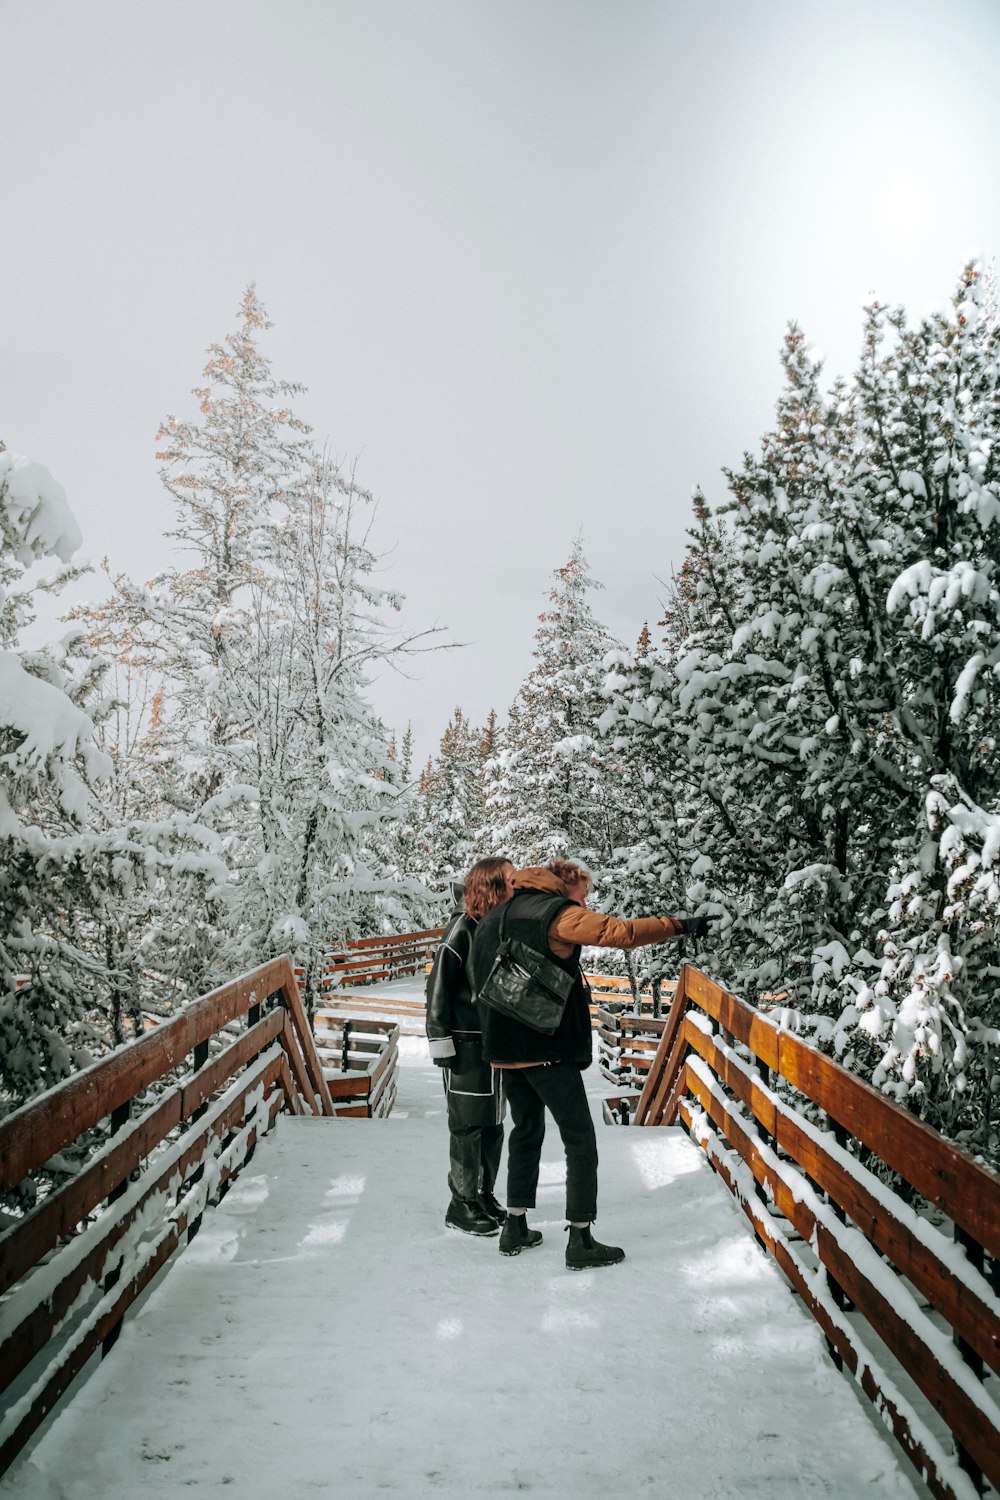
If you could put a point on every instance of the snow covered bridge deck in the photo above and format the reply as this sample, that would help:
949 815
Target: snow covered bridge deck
325 1333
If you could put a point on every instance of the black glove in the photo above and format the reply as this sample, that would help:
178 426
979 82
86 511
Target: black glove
698 926
442 1062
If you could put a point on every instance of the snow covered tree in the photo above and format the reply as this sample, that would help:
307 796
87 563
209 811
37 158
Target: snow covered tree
551 786
262 646
930 413
48 764
450 805
70 964
823 705
326 796
223 474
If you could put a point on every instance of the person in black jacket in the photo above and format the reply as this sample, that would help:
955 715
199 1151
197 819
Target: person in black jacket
472 1087
548 913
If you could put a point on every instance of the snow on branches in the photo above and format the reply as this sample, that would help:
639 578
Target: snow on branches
819 720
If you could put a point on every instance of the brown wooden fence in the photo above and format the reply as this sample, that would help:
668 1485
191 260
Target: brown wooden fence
367 961
886 1282
360 1058
627 1038
180 1111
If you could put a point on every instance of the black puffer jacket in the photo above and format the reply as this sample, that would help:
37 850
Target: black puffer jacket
528 915
454 1029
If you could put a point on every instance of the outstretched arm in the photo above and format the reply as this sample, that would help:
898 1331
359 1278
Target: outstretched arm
594 929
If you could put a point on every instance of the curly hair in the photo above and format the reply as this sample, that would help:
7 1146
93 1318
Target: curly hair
485 886
570 873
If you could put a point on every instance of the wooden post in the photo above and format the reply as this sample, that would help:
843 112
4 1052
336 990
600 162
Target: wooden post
977 1259
198 1060
119 1118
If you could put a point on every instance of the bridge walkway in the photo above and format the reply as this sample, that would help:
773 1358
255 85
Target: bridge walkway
324 1333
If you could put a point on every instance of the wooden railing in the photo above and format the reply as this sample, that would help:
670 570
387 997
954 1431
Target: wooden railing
360 1057
180 1111
862 1258
627 1038
366 961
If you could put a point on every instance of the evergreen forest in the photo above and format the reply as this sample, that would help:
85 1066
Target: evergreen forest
192 778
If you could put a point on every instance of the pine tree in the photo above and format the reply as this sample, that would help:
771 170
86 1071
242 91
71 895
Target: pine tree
820 713
71 965
551 787
450 805
262 647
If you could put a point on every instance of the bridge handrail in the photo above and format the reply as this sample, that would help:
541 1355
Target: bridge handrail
713 1072
73 1264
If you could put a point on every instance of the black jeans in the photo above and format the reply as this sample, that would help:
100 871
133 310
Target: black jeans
474 1155
559 1088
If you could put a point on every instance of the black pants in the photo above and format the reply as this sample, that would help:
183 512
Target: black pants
475 1129
474 1154
559 1088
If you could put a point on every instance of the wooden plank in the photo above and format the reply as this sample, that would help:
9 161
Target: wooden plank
386 1082
319 1097
650 1027
228 1063
293 1099
661 1075
296 1063
427 934
330 1041
69 1364
364 1025
964 1417
387 1100
389 1058
43 1126
836 1329
658 1102
358 1058
23 1244
349 1086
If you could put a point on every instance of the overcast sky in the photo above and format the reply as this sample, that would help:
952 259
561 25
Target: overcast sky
533 258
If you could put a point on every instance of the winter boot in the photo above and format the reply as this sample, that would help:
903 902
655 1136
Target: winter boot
489 1205
468 1216
517 1236
583 1251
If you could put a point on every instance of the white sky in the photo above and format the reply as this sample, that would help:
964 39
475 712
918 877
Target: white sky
533 259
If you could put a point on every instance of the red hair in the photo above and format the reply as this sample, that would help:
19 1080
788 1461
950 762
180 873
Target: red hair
485 886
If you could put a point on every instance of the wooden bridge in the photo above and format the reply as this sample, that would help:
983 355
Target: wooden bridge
885 1232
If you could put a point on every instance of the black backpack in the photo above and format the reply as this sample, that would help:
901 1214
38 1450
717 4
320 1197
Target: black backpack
526 985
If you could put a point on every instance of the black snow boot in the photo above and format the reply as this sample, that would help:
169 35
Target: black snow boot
470 1217
583 1251
517 1236
489 1205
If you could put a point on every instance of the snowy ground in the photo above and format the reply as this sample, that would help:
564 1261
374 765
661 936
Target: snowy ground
326 1333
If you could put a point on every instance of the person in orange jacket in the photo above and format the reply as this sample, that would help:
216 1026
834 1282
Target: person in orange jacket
548 912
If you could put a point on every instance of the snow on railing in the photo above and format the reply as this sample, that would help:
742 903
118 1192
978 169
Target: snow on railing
889 1286
71 1267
